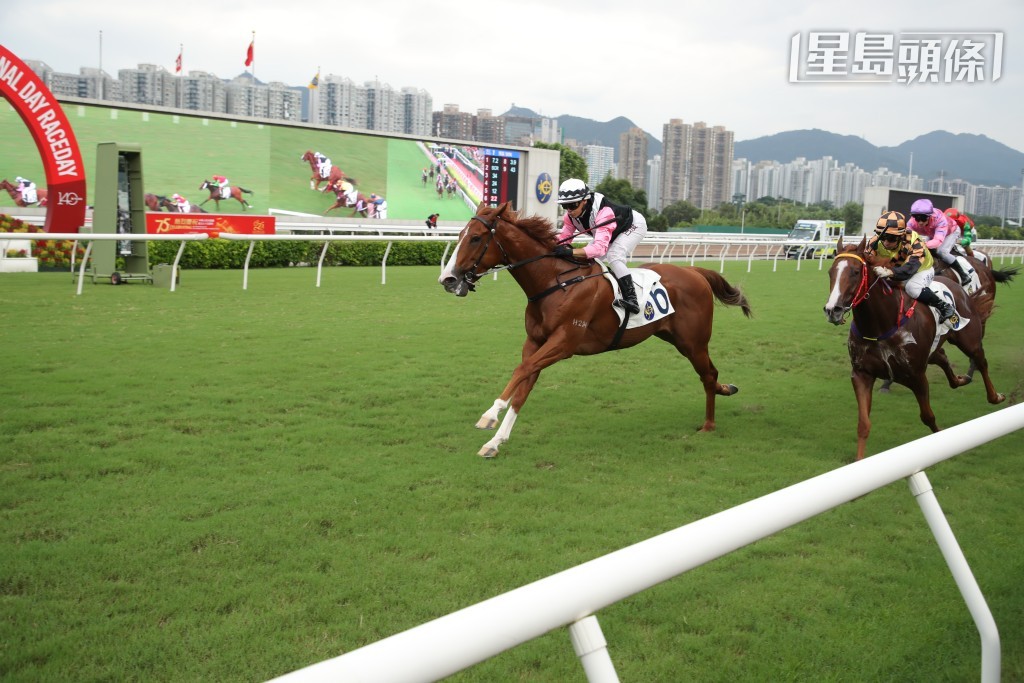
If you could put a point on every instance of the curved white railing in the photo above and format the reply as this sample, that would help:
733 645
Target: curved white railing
91 238
656 246
571 598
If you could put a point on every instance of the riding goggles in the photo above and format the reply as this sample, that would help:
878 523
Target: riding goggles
571 206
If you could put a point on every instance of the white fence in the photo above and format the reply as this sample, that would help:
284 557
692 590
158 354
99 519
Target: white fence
571 598
657 246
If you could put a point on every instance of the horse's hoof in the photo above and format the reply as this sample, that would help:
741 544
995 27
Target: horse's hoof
486 423
488 452
733 389
883 390
999 399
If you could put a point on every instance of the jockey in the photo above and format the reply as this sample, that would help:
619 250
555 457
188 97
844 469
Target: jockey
380 206
323 165
219 181
183 204
27 188
616 231
940 232
968 232
910 262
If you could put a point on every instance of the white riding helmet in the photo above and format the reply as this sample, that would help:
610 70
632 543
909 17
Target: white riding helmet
572 190
19 180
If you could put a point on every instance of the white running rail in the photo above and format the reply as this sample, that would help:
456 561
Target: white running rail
571 598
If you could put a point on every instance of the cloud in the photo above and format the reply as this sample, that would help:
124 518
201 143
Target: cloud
647 60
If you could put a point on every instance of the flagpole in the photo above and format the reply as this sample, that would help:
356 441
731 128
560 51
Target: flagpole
181 76
99 78
252 91
314 103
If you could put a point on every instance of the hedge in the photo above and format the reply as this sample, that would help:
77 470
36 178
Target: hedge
224 254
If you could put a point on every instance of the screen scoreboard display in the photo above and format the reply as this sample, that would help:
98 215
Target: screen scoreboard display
501 177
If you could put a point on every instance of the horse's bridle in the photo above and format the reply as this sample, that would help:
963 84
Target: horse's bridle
471 277
862 289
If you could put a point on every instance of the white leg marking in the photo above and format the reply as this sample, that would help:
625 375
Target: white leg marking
489 420
490 449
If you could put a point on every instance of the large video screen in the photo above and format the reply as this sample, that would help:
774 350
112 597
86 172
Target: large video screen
179 152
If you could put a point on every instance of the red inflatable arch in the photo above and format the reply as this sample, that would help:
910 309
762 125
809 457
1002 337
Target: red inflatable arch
38 108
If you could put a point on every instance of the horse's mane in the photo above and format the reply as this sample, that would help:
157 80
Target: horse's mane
537 227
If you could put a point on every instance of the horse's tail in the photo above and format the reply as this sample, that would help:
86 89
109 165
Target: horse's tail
1004 275
724 292
242 189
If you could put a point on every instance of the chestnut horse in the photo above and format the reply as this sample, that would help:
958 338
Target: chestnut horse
341 200
894 337
234 192
569 309
335 175
16 194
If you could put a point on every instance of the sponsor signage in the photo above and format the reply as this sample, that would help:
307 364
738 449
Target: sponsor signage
210 223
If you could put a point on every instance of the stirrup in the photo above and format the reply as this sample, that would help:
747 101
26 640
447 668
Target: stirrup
950 316
628 305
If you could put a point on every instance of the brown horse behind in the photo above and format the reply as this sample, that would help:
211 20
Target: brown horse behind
570 307
234 191
982 300
16 194
335 176
171 206
894 338
156 202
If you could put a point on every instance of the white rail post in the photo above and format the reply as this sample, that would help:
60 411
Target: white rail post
990 657
592 649
384 265
245 268
320 262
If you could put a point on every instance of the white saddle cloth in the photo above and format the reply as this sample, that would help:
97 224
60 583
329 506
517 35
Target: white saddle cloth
650 294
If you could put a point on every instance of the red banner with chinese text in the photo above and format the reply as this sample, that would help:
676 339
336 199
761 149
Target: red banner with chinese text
210 223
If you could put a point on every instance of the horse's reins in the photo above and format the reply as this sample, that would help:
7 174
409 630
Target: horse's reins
471 276
862 293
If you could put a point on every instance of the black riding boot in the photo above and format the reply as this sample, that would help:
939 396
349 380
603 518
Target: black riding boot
628 298
946 312
965 279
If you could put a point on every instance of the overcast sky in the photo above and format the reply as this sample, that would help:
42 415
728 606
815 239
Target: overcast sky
724 63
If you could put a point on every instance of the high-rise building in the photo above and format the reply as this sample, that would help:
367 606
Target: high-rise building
711 151
335 101
148 84
600 162
676 139
489 129
654 181
633 157
452 123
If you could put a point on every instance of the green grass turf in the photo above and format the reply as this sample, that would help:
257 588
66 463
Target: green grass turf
218 484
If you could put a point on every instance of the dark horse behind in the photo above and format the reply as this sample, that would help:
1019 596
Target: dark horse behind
982 299
894 337
569 310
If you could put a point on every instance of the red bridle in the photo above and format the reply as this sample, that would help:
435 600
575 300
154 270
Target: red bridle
862 287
